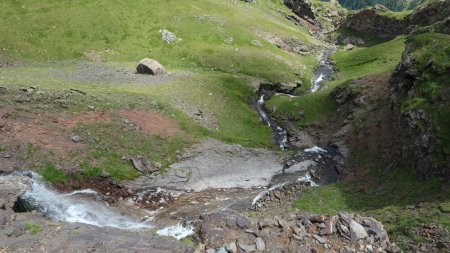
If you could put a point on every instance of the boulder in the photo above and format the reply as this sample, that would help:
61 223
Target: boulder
150 67
357 231
11 188
348 47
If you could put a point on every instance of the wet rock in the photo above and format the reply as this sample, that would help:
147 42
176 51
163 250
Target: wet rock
260 244
11 188
150 67
357 231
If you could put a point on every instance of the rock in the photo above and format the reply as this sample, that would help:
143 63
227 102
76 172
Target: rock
222 250
256 43
168 36
247 248
320 239
211 251
231 247
142 165
75 138
6 155
243 223
3 216
357 231
11 188
229 40
260 244
330 226
200 248
348 47
150 67
393 248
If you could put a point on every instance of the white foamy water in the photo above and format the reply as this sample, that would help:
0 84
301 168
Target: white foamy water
71 208
307 178
316 150
178 231
317 82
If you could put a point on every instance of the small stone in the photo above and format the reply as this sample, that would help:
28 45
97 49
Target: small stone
222 250
247 248
369 248
357 231
393 248
256 43
260 244
75 138
6 155
210 251
231 247
320 239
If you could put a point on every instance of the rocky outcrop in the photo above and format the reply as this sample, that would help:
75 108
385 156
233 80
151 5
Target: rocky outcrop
430 14
419 114
371 22
303 9
378 22
11 188
150 67
300 232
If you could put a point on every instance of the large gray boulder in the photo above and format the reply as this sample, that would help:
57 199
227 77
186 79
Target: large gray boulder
11 188
150 67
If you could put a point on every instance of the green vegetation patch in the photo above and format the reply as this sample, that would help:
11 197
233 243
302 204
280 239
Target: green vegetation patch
52 174
360 62
304 109
431 55
210 34
32 227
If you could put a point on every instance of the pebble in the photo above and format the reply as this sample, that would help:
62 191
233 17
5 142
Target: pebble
75 138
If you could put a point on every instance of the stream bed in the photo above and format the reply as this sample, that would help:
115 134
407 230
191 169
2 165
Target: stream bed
212 177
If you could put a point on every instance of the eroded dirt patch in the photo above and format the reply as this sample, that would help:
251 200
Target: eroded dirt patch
89 117
152 122
31 129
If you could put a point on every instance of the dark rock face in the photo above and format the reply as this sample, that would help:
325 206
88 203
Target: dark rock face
430 14
302 8
371 22
418 143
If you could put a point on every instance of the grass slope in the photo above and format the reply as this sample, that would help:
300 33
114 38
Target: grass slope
129 31
360 62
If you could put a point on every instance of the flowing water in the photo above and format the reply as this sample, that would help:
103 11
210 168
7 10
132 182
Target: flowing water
86 206
323 72
78 206
280 134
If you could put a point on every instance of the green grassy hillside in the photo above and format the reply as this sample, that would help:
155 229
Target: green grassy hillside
129 31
